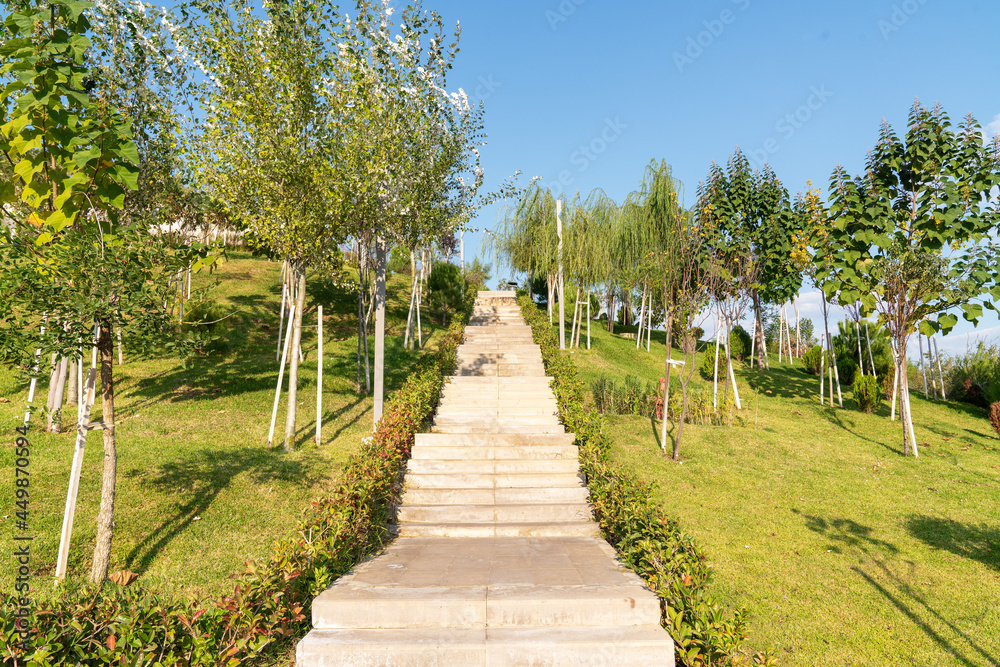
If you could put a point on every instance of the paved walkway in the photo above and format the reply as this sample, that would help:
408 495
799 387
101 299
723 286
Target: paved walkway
498 561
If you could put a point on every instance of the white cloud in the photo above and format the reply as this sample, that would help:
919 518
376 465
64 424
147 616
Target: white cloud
992 128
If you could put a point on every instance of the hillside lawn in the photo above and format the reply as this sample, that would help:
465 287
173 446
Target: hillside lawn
845 552
199 493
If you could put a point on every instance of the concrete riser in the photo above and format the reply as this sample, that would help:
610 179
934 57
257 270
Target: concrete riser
543 529
494 466
417 496
530 452
478 481
495 513
478 440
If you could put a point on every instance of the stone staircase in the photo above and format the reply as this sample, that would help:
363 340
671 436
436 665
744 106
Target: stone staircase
498 561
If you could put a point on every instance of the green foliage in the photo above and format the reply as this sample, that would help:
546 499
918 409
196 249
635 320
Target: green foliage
477 272
648 541
845 345
631 398
445 289
867 393
207 323
974 377
399 260
270 604
739 343
812 359
701 408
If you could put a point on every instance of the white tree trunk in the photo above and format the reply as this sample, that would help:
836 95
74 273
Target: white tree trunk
871 359
920 344
82 422
380 252
642 316
940 372
281 377
319 375
562 300
281 317
836 373
299 273
781 331
588 319
798 332
715 373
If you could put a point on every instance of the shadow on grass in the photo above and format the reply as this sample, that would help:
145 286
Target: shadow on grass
208 474
857 539
782 382
980 543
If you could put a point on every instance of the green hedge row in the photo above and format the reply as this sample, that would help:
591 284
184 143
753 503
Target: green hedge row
646 539
270 605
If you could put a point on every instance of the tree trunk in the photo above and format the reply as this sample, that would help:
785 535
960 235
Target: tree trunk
689 351
588 319
319 374
361 319
759 334
299 276
861 355
836 374
642 317
715 373
666 382
548 301
281 317
60 393
380 252
72 387
781 331
940 372
408 338
920 344
905 413
106 514
798 332
871 359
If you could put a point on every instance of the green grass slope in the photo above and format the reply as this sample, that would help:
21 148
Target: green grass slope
845 552
199 492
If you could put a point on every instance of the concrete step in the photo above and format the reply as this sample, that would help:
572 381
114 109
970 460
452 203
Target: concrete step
494 513
498 440
568 494
360 605
500 428
514 452
525 480
481 647
527 529
493 466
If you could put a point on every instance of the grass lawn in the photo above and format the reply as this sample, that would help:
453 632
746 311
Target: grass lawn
845 552
199 492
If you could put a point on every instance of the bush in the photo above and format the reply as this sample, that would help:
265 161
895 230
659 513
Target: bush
975 376
995 417
847 370
207 326
399 260
446 289
867 393
701 408
707 369
631 398
739 343
812 359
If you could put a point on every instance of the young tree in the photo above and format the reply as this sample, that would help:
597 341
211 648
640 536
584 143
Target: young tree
913 233
69 254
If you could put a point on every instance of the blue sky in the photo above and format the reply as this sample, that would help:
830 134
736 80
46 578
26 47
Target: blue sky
591 91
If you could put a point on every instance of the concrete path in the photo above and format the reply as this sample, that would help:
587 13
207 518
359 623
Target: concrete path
498 560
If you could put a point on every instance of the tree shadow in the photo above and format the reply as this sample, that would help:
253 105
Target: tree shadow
208 473
781 382
980 543
849 535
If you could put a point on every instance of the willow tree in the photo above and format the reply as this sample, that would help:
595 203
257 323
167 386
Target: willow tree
914 234
526 239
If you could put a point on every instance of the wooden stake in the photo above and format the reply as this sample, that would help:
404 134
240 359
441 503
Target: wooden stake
281 375
281 316
588 319
82 421
319 375
871 359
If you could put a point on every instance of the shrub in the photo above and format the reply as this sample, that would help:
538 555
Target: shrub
847 370
206 325
701 408
446 289
995 416
867 393
739 343
812 358
975 376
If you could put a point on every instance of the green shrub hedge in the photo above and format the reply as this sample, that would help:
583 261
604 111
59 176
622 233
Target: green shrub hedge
646 539
270 605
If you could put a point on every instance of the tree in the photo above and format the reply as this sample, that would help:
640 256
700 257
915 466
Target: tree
65 252
913 233
751 216
266 148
